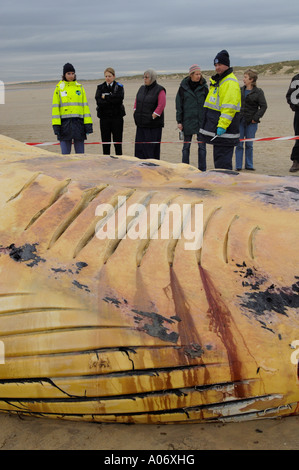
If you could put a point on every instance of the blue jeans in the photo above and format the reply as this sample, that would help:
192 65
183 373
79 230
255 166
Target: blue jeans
202 152
66 146
246 131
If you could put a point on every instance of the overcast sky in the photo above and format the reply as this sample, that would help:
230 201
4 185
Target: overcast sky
37 37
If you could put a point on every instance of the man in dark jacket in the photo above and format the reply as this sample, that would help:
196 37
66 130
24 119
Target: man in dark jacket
221 117
292 97
189 102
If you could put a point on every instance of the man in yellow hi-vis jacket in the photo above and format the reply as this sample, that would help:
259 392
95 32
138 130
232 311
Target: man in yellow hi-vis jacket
221 118
71 118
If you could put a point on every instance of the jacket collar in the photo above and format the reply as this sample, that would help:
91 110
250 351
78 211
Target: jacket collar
254 89
217 78
185 83
149 87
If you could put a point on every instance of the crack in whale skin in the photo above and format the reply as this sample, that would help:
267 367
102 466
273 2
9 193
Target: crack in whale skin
132 330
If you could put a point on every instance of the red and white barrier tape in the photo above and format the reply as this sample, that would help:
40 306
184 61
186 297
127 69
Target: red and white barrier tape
261 139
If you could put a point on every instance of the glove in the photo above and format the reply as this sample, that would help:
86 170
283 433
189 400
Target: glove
220 130
56 129
88 128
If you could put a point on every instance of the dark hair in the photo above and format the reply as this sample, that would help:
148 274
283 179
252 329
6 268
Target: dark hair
63 78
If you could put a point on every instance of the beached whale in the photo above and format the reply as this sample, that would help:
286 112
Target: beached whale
140 327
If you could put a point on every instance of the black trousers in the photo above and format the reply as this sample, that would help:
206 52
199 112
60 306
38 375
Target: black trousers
223 156
147 142
295 150
112 131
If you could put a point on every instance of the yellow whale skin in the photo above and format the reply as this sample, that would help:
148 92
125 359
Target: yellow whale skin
133 330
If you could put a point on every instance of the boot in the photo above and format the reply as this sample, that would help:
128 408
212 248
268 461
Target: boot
295 166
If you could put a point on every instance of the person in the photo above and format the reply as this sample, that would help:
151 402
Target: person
292 97
220 126
189 101
149 108
71 118
111 111
253 107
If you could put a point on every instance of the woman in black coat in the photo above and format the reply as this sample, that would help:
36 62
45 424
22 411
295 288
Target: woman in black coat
189 102
111 111
253 107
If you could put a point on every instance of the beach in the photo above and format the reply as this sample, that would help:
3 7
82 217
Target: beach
26 117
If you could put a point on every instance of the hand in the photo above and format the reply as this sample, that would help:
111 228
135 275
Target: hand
180 127
220 130
88 128
56 129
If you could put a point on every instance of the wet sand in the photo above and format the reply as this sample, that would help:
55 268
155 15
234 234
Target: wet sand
26 116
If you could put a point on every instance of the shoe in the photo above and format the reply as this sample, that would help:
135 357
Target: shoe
251 169
295 166
238 169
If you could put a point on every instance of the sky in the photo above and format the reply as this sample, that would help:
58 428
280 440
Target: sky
38 37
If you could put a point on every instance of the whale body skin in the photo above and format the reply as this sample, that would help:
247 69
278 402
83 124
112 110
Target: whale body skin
137 330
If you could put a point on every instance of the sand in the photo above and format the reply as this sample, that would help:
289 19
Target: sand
26 116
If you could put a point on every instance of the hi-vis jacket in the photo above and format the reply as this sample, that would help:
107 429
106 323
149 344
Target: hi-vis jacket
222 109
71 118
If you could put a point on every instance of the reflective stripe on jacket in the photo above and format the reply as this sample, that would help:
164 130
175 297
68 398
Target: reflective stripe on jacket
69 101
222 109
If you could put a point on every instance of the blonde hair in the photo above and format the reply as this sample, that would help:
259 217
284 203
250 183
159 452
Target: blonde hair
252 74
110 70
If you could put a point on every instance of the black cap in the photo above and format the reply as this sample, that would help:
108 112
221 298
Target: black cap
222 58
68 68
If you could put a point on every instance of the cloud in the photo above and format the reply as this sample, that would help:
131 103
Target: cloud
37 38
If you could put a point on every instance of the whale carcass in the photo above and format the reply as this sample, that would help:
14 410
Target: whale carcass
132 329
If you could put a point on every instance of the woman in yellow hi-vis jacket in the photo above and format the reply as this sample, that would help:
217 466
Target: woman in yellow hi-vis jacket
71 118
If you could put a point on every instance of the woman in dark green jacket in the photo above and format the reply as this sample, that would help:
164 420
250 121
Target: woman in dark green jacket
253 107
190 99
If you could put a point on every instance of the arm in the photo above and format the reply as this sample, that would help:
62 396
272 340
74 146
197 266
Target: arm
230 102
262 107
98 96
86 114
56 119
117 96
179 109
161 104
